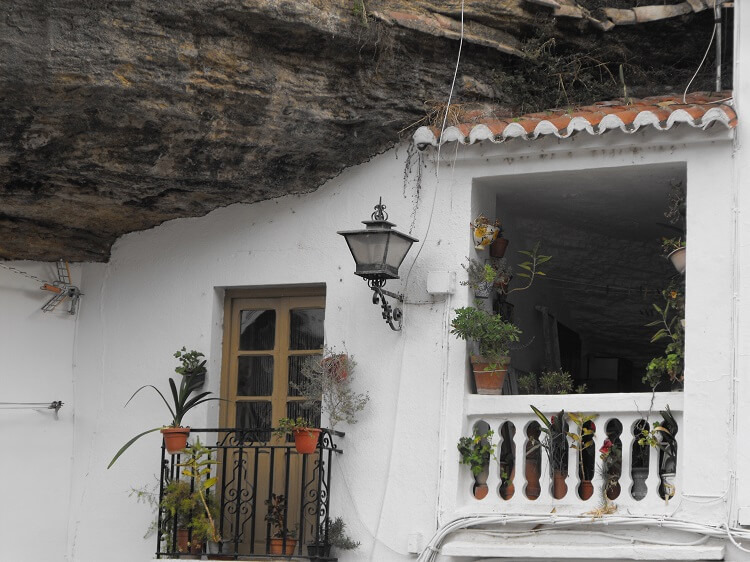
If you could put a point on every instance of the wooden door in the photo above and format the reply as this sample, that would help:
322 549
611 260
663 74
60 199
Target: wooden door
267 339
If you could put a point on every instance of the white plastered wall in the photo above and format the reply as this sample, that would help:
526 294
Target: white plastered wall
163 289
36 365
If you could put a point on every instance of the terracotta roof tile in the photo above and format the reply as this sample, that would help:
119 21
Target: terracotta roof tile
699 109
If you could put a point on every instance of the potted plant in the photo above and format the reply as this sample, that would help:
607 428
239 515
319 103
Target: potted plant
532 466
189 501
500 245
493 337
481 278
555 444
507 461
475 451
327 381
337 538
556 381
192 371
639 470
611 456
662 437
283 540
484 232
671 364
305 436
674 249
583 438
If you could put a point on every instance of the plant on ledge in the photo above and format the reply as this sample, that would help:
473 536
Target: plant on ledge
671 364
327 379
583 439
555 444
305 435
190 504
475 452
197 467
662 437
493 337
550 382
193 373
283 539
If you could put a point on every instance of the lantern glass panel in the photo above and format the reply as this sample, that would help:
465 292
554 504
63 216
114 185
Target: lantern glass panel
368 247
397 250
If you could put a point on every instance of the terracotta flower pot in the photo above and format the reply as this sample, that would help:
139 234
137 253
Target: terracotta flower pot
679 259
480 484
531 472
498 247
559 486
481 491
276 546
586 490
182 540
336 366
613 490
507 490
175 438
306 440
489 377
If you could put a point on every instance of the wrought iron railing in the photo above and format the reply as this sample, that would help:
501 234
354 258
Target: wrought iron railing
251 472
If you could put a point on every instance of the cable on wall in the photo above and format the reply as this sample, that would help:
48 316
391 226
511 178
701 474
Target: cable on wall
54 405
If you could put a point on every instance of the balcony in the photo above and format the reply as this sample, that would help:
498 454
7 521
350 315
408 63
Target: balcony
638 486
267 500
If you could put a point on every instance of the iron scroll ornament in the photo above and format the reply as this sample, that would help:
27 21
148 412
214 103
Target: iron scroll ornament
390 314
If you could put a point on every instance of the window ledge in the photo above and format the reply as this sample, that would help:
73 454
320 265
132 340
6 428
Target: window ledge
482 405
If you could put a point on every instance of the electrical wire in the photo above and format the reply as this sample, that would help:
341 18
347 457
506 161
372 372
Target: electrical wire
559 520
23 273
708 49
442 130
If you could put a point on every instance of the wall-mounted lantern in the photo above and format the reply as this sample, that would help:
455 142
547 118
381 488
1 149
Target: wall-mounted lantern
378 252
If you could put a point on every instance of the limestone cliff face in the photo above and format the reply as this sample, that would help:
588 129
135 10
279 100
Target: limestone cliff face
116 115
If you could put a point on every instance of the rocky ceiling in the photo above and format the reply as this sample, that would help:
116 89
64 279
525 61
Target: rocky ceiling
118 115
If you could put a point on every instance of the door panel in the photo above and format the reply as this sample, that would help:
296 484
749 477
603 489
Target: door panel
267 342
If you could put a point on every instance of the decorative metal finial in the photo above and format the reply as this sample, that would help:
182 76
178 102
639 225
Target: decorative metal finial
380 214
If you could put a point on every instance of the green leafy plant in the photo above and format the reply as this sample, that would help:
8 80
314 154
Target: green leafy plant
611 456
531 266
148 495
192 371
277 508
327 381
527 384
555 442
559 382
337 536
197 467
289 425
490 332
662 437
550 382
360 12
669 245
671 364
582 439
475 451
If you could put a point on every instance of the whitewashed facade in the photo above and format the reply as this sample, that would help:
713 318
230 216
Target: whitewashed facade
399 481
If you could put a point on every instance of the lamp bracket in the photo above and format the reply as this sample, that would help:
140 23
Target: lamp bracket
390 314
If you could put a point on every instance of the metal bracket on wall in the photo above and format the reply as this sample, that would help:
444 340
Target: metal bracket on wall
54 405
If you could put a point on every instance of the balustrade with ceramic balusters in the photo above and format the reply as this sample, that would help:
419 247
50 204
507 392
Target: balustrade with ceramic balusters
636 485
